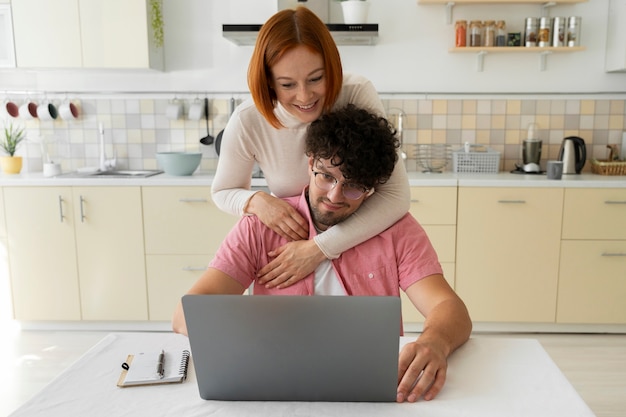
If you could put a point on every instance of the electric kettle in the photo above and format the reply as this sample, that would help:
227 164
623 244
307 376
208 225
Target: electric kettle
573 153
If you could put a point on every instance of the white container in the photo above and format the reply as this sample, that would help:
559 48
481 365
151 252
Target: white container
355 11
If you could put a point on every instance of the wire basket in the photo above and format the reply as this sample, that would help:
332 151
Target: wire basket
479 159
433 158
603 167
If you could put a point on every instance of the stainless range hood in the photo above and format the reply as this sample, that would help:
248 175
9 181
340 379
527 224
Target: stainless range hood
361 34
344 34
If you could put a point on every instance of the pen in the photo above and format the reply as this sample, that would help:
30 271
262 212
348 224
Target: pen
161 363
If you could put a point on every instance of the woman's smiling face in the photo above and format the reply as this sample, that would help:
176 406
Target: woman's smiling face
299 80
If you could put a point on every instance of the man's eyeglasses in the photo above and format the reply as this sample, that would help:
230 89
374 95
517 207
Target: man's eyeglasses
327 182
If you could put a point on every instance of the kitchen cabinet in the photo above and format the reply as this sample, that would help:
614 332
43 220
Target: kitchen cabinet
616 37
183 230
435 210
42 248
592 287
7 51
508 242
85 34
76 253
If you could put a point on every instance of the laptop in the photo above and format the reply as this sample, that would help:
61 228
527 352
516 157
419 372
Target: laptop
294 348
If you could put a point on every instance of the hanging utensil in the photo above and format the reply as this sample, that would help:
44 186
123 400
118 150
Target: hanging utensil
218 140
208 139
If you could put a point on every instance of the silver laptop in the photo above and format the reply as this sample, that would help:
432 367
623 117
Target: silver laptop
294 348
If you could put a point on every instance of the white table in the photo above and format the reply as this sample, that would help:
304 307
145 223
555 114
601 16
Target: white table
486 377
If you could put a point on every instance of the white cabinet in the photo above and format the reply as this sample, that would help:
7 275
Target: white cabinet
616 37
76 253
508 242
85 34
7 49
183 229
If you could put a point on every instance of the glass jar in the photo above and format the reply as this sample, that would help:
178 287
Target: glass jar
489 31
460 33
476 32
501 34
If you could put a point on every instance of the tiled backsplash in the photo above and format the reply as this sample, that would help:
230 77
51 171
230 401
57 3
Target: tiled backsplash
136 127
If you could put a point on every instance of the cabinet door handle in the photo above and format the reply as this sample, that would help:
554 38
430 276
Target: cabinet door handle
414 201
614 202
61 215
512 201
193 200
614 254
194 268
82 209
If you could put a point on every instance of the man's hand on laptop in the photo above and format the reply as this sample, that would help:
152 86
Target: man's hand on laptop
422 370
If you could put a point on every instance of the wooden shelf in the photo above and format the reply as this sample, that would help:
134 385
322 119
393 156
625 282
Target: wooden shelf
543 52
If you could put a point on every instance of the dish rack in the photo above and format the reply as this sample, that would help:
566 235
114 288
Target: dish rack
476 159
602 167
433 158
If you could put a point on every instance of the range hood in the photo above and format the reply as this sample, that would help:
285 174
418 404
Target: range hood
344 34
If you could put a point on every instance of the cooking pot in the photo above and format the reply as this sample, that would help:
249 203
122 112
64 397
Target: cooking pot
573 153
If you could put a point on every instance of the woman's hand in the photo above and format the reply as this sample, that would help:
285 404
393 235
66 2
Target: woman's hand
279 216
292 262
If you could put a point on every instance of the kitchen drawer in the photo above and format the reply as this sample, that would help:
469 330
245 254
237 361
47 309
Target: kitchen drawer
594 213
183 221
409 313
169 278
592 282
434 205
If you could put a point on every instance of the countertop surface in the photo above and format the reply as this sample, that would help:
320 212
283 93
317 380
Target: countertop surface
416 179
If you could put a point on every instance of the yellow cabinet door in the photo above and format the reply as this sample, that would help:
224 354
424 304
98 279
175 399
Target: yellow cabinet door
42 253
507 258
592 282
594 213
183 221
169 278
111 261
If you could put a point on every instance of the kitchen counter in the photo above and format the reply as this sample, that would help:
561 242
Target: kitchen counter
416 179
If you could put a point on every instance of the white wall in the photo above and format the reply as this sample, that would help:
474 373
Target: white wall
411 56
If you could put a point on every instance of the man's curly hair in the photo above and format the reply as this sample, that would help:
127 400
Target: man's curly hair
362 144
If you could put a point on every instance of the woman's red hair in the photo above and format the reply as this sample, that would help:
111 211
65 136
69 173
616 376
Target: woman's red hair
282 32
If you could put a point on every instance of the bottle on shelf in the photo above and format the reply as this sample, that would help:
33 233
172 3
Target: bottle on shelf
461 33
489 32
476 32
501 35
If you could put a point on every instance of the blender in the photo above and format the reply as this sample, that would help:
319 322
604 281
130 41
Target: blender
531 151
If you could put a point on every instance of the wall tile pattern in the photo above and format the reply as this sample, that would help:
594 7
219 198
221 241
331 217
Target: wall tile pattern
137 128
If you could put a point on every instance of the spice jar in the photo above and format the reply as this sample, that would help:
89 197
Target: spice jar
476 31
530 32
501 33
573 31
460 33
545 25
489 31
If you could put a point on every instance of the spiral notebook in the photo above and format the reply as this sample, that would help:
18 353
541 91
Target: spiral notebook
157 367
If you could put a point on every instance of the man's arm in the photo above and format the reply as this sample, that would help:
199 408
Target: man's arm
212 281
447 326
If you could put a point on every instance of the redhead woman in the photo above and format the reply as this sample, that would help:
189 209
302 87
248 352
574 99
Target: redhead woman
295 76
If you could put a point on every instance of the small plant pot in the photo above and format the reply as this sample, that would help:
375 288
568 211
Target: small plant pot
11 164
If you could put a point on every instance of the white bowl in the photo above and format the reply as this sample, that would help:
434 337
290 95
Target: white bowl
178 163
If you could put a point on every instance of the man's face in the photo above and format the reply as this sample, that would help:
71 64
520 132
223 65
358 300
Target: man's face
330 207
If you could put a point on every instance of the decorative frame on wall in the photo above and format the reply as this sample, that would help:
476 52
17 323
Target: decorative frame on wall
7 49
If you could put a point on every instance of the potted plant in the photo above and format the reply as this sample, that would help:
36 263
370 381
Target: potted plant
354 11
9 142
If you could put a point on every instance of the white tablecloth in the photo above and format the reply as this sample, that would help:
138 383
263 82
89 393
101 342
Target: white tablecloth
486 377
